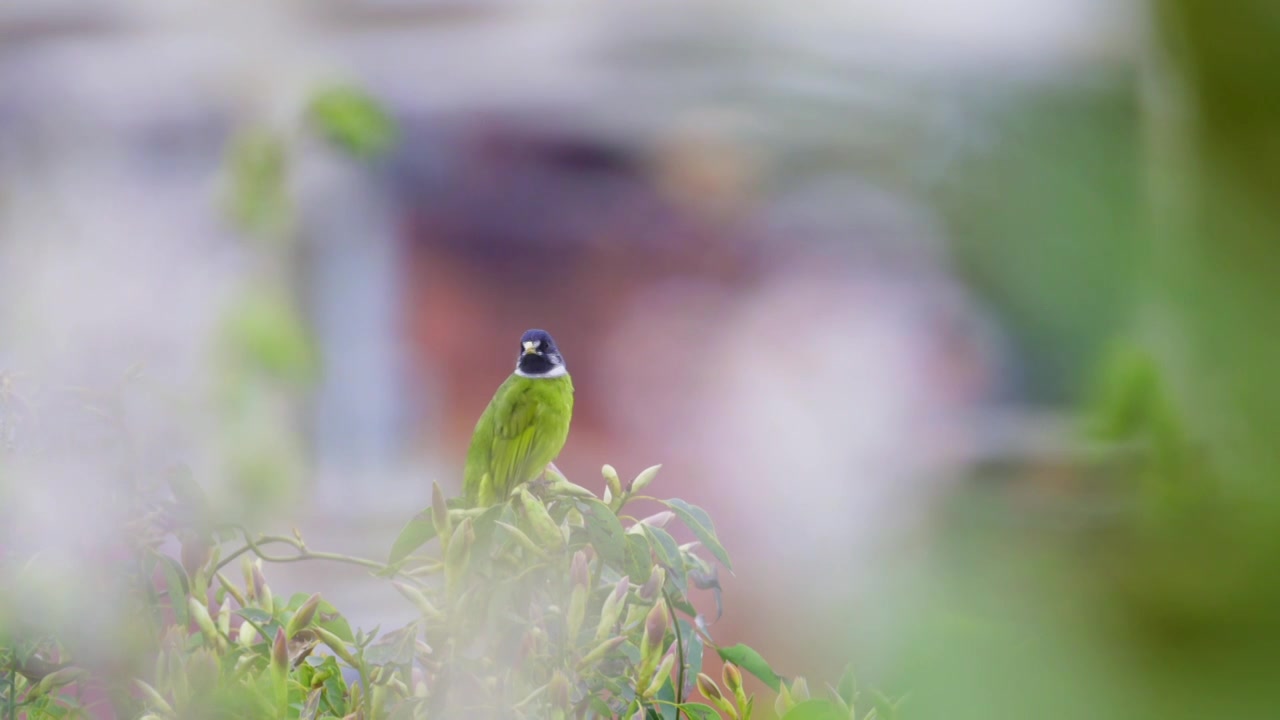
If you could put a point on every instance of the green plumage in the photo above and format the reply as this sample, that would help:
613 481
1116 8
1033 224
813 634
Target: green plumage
523 429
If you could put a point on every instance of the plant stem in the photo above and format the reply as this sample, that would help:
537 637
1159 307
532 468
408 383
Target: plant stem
675 621
253 546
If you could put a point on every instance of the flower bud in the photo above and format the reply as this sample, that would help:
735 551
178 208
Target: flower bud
280 656
558 691
732 677
525 542
265 599
247 635
578 570
577 611
246 569
708 688
440 514
154 698
416 597
233 591
660 677
710 691
542 528
614 603
655 633
642 480
200 614
653 586
224 624
655 628
56 679
598 652
658 520
458 555
561 486
378 699
799 690
782 703
196 551
611 481
304 615
336 644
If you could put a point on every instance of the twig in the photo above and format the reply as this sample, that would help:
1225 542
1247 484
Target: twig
254 546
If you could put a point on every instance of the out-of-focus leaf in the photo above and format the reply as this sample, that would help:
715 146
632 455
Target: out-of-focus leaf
847 688
265 331
814 710
259 197
697 520
414 535
886 709
751 661
353 120
175 580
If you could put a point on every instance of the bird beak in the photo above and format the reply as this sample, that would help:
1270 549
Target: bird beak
530 347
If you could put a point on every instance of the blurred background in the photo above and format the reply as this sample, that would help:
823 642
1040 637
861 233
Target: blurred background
850 272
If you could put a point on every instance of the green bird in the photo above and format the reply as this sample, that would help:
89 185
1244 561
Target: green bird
525 425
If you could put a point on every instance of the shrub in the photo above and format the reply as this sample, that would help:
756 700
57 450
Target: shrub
554 604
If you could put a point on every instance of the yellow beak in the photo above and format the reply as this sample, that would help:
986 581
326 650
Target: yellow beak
530 348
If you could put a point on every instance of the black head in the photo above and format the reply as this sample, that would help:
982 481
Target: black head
539 356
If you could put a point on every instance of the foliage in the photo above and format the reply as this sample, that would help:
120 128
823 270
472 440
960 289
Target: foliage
556 603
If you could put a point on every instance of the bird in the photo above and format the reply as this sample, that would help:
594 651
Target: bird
524 426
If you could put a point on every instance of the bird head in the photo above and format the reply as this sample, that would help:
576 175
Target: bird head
539 356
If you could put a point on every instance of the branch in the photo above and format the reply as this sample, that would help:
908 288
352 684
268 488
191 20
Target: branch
303 553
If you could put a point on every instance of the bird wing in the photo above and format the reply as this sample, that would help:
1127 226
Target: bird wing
523 429
515 435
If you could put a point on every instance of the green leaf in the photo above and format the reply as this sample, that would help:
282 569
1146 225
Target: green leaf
814 710
668 553
175 579
600 707
885 708
750 660
257 615
394 648
698 711
485 524
353 120
604 531
665 700
847 688
693 652
414 535
697 520
639 565
330 619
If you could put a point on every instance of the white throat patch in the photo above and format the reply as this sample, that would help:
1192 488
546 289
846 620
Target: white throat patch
555 372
